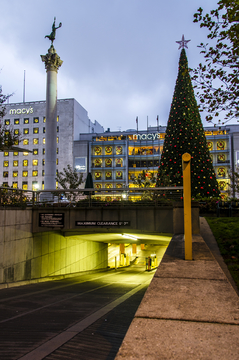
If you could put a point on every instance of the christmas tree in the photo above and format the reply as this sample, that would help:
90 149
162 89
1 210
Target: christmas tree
185 134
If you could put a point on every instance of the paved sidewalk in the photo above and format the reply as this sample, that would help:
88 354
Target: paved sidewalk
189 311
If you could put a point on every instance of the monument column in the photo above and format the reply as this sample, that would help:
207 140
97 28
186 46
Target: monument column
52 64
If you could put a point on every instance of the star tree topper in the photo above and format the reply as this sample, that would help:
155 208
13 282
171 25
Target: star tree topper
183 43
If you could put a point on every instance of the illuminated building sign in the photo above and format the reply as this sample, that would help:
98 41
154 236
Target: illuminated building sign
21 111
155 136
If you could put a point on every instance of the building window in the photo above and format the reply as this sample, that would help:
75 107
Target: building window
7 122
26 121
43 162
108 162
16 132
44 130
57 129
16 142
25 173
56 161
35 186
44 119
57 119
25 142
43 140
57 140
5 184
108 175
34 173
43 151
24 185
35 141
43 172
35 162
14 185
15 162
36 120
5 163
98 175
15 174
6 153
25 153
16 121
25 163
26 131
35 130
57 150
118 162
15 153
5 174
35 151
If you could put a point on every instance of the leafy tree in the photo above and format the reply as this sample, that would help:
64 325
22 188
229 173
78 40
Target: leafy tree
185 134
7 136
144 179
69 178
218 79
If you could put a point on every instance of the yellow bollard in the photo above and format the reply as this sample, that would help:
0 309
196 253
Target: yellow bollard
187 205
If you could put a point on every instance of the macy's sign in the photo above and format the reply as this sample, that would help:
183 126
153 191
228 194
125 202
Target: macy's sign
21 111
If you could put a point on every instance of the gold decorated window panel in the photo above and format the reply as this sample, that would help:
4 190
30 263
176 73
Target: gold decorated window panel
35 151
108 175
98 175
119 185
5 174
97 186
44 141
6 163
15 174
98 162
35 130
57 119
26 131
44 119
119 162
25 141
43 162
108 162
25 163
15 163
16 132
25 173
119 175
7 122
108 150
16 121
15 153
36 120
221 145
6 153
16 142
34 173
35 162
26 121
221 158
57 161
221 172
97 150
119 150
35 141
108 185
25 153
57 140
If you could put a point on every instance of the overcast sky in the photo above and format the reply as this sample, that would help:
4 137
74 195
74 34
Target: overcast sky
120 58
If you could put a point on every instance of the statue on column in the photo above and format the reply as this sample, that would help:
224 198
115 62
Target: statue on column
52 35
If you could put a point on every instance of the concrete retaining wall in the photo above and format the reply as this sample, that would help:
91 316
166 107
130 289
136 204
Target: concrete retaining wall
28 256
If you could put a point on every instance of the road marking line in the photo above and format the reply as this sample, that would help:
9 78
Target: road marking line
48 347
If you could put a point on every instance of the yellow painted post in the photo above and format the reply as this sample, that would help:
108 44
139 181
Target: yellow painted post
187 205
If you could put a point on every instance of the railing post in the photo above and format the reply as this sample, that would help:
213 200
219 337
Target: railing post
187 205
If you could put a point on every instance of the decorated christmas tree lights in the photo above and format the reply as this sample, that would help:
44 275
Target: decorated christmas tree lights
185 133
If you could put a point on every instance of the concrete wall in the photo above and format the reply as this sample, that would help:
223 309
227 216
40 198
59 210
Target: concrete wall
27 256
